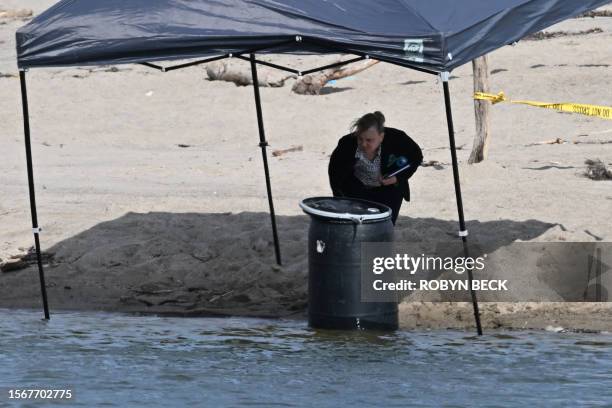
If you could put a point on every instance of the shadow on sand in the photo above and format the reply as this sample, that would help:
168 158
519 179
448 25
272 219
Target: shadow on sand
205 264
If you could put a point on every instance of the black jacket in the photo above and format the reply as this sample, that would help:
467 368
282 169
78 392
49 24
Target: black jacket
341 178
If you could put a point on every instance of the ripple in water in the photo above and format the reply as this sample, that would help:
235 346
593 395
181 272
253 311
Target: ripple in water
120 360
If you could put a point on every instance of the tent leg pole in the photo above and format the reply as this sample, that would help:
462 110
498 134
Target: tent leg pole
462 229
35 228
263 144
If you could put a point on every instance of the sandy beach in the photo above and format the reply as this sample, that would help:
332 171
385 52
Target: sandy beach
151 192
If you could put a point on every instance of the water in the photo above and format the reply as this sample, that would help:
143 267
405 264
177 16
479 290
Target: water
120 360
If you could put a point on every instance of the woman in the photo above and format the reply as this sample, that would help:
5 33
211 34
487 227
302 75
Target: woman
362 159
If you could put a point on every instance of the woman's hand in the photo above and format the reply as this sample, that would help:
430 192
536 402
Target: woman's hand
388 181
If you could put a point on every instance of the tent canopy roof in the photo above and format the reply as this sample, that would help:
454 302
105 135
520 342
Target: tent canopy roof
436 35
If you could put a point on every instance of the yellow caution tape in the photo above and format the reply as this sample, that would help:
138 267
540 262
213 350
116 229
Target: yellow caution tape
604 112
500 97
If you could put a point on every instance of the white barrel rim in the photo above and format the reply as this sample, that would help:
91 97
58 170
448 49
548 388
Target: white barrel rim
358 218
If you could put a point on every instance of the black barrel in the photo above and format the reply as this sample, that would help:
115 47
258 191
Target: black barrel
338 227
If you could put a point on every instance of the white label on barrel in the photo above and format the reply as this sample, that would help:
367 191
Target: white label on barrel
320 246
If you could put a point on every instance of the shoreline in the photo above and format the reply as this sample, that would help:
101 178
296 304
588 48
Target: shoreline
416 316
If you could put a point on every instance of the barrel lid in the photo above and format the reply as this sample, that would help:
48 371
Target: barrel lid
345 209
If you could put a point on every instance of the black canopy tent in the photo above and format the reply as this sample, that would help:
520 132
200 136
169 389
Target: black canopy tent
432 36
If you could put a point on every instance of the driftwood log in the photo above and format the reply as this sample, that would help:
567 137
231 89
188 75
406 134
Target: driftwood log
480 148
240 74
548 142
22 261
313 83
15 14
280 152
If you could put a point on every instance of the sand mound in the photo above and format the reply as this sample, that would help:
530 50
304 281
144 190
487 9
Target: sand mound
178 263
200 264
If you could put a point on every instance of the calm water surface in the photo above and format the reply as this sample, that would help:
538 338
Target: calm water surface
119 360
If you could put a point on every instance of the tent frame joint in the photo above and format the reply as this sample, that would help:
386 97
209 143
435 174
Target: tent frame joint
444 75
